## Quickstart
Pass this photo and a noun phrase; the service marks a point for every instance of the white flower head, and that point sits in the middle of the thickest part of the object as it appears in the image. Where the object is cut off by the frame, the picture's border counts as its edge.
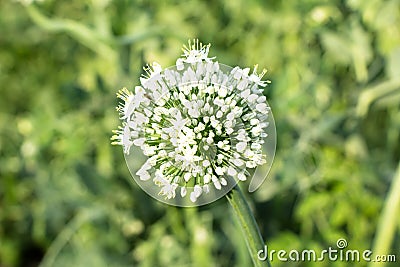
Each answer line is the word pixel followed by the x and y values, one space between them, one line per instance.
pixel 201 124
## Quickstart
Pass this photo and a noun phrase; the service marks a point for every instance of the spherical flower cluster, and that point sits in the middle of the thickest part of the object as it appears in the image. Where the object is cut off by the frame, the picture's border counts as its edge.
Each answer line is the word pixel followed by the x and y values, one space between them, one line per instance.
pixel 201 124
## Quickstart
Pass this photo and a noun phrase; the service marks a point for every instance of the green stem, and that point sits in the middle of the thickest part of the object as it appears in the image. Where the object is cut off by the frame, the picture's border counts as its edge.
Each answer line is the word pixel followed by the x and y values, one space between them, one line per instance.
pixel 66 234
pixel 80 32
pixel 388 220
pixel 248 224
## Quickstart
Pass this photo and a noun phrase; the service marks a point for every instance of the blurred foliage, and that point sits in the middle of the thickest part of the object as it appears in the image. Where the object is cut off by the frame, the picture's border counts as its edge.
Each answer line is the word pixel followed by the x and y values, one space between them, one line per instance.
pixel 66 197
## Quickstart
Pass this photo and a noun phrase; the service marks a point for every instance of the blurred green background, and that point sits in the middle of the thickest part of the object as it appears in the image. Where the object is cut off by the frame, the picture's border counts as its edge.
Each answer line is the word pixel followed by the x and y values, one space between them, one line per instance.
pixel 66 196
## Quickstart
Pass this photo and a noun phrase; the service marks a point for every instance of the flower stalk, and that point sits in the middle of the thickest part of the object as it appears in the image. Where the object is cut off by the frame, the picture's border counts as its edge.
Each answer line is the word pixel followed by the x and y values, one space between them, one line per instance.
pixel 248 224
pixel 387 223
